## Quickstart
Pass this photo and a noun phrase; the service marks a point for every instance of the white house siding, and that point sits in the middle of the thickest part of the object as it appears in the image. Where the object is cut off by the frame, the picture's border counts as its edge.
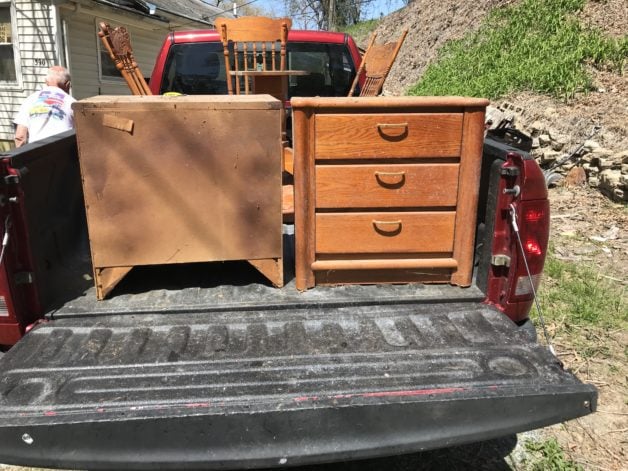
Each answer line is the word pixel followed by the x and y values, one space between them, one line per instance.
pixel 83 48
pixel 36 43
pixel 38 49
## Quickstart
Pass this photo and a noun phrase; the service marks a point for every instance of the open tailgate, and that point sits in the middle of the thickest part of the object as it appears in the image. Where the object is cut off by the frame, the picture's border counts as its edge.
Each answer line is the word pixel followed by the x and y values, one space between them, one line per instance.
pixel 274 387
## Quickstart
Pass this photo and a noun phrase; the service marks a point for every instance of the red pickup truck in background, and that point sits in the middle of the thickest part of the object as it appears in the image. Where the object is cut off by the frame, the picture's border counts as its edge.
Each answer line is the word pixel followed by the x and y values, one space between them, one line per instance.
pixel 192 63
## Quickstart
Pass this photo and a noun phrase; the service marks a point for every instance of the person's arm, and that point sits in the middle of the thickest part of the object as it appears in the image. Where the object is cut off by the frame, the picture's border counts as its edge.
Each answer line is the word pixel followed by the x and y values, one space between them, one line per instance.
pixel 21 135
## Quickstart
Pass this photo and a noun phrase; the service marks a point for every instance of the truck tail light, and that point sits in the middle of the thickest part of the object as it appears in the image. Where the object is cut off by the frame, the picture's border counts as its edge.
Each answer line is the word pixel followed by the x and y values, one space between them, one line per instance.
pixel 533 230
pixel 510 286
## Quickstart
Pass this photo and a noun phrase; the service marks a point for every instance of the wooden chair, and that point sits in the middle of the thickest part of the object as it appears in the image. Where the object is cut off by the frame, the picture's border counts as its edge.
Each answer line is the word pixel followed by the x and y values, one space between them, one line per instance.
pixel 117 43
pixel 376 63
pixel 252 43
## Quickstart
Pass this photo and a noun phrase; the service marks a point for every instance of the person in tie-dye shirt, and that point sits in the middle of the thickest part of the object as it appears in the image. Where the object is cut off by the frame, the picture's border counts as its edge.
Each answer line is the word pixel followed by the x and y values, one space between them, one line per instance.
pixel 48 111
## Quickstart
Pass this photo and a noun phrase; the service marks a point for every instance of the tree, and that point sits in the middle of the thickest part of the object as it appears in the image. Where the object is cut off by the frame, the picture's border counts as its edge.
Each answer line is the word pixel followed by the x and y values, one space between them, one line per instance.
pixel 325 14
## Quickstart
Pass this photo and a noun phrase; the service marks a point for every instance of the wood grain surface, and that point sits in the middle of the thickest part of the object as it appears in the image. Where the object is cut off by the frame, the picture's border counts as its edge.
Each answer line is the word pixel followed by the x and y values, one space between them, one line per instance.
pixel 192 182
pixel 388 135
pixel 470 166
pixel 381 232
pixel 386 185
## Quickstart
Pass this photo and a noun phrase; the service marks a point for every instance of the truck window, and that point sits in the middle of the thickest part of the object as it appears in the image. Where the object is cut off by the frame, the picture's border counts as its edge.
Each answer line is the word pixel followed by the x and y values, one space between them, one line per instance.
pixel 195 69
pixel 330 66
pixel 199 69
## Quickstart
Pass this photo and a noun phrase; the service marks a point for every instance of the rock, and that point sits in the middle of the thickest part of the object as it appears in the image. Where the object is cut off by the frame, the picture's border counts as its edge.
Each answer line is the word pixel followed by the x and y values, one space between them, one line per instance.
pixel 610 178
pixel 612 233
pixel 537 154
pixel 621 157
pixel 594 182
pixel 604 164
pixel 493 117
pixel 576 177
pixel 535 143
pixel 587 158
pixel 589 145
pixel 557 136
pixel 601 152
pixel 620 194
pixel 544 140
pixel 557 145
pixel 536 128
pixel 550 156
pixel 591 170
pixel 624 168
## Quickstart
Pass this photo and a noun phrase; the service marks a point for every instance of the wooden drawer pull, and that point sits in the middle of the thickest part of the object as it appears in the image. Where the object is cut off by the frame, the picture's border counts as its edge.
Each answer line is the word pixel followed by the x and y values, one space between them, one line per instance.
pixel 390 179
pixel 393 131
pixel 387 228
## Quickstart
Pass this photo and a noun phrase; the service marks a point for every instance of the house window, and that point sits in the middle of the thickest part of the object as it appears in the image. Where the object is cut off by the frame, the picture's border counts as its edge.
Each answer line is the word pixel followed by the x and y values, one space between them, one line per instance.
pixel 108 69
pixel 7 54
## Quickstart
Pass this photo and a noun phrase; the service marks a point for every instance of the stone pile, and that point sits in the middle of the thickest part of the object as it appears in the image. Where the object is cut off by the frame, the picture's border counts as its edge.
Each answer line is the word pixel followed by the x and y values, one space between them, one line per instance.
pixel 605 169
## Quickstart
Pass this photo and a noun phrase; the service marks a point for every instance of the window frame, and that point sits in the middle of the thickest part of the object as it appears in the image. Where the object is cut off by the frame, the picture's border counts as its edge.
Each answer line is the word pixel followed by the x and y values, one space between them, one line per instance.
pixel 17 83
pixel 100 48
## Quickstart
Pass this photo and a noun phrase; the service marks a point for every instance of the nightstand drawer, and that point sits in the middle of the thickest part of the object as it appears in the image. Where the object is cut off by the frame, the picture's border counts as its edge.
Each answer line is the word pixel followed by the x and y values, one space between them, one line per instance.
pixel 382 232
pixel 386 185
pixel 367 136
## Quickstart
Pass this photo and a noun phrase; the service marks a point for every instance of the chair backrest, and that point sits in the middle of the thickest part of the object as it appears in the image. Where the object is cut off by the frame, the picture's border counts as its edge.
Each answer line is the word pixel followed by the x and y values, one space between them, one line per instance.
pixel 376 64
pixel 252 43
pixel 117 43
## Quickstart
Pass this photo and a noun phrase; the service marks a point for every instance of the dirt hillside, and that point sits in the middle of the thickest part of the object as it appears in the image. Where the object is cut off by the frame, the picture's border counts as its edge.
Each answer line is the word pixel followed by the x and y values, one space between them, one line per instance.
pixel 431 23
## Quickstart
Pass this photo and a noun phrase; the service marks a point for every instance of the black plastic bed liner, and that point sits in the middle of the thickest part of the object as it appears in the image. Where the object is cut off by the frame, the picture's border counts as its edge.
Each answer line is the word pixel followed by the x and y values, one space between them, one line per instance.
pixel 279 387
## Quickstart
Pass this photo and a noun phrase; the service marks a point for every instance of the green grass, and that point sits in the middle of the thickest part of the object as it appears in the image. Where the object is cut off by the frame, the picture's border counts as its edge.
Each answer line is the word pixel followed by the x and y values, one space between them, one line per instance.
pixel 549 456
pixel 536 45
pixel 576 294
pixel 361 31
pixel 583 307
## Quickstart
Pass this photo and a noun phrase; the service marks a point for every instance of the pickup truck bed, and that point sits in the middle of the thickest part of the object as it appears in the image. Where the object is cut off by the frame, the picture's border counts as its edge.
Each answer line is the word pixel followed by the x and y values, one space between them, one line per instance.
pixel 221 287
pixel 197 366
pixel 191 366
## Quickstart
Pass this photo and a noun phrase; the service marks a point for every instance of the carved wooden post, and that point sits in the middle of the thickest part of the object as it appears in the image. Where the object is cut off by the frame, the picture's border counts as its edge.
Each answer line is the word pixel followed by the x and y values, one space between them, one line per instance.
pixel 117 42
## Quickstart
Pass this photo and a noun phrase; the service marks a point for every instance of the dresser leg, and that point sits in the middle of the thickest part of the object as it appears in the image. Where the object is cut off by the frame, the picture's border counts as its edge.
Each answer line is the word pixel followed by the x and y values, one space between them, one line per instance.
pixel 271 268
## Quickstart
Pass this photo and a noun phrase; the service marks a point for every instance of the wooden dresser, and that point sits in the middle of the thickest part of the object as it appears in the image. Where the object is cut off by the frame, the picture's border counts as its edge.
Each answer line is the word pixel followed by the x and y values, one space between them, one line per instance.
pixel 181 179
pixel 386 189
